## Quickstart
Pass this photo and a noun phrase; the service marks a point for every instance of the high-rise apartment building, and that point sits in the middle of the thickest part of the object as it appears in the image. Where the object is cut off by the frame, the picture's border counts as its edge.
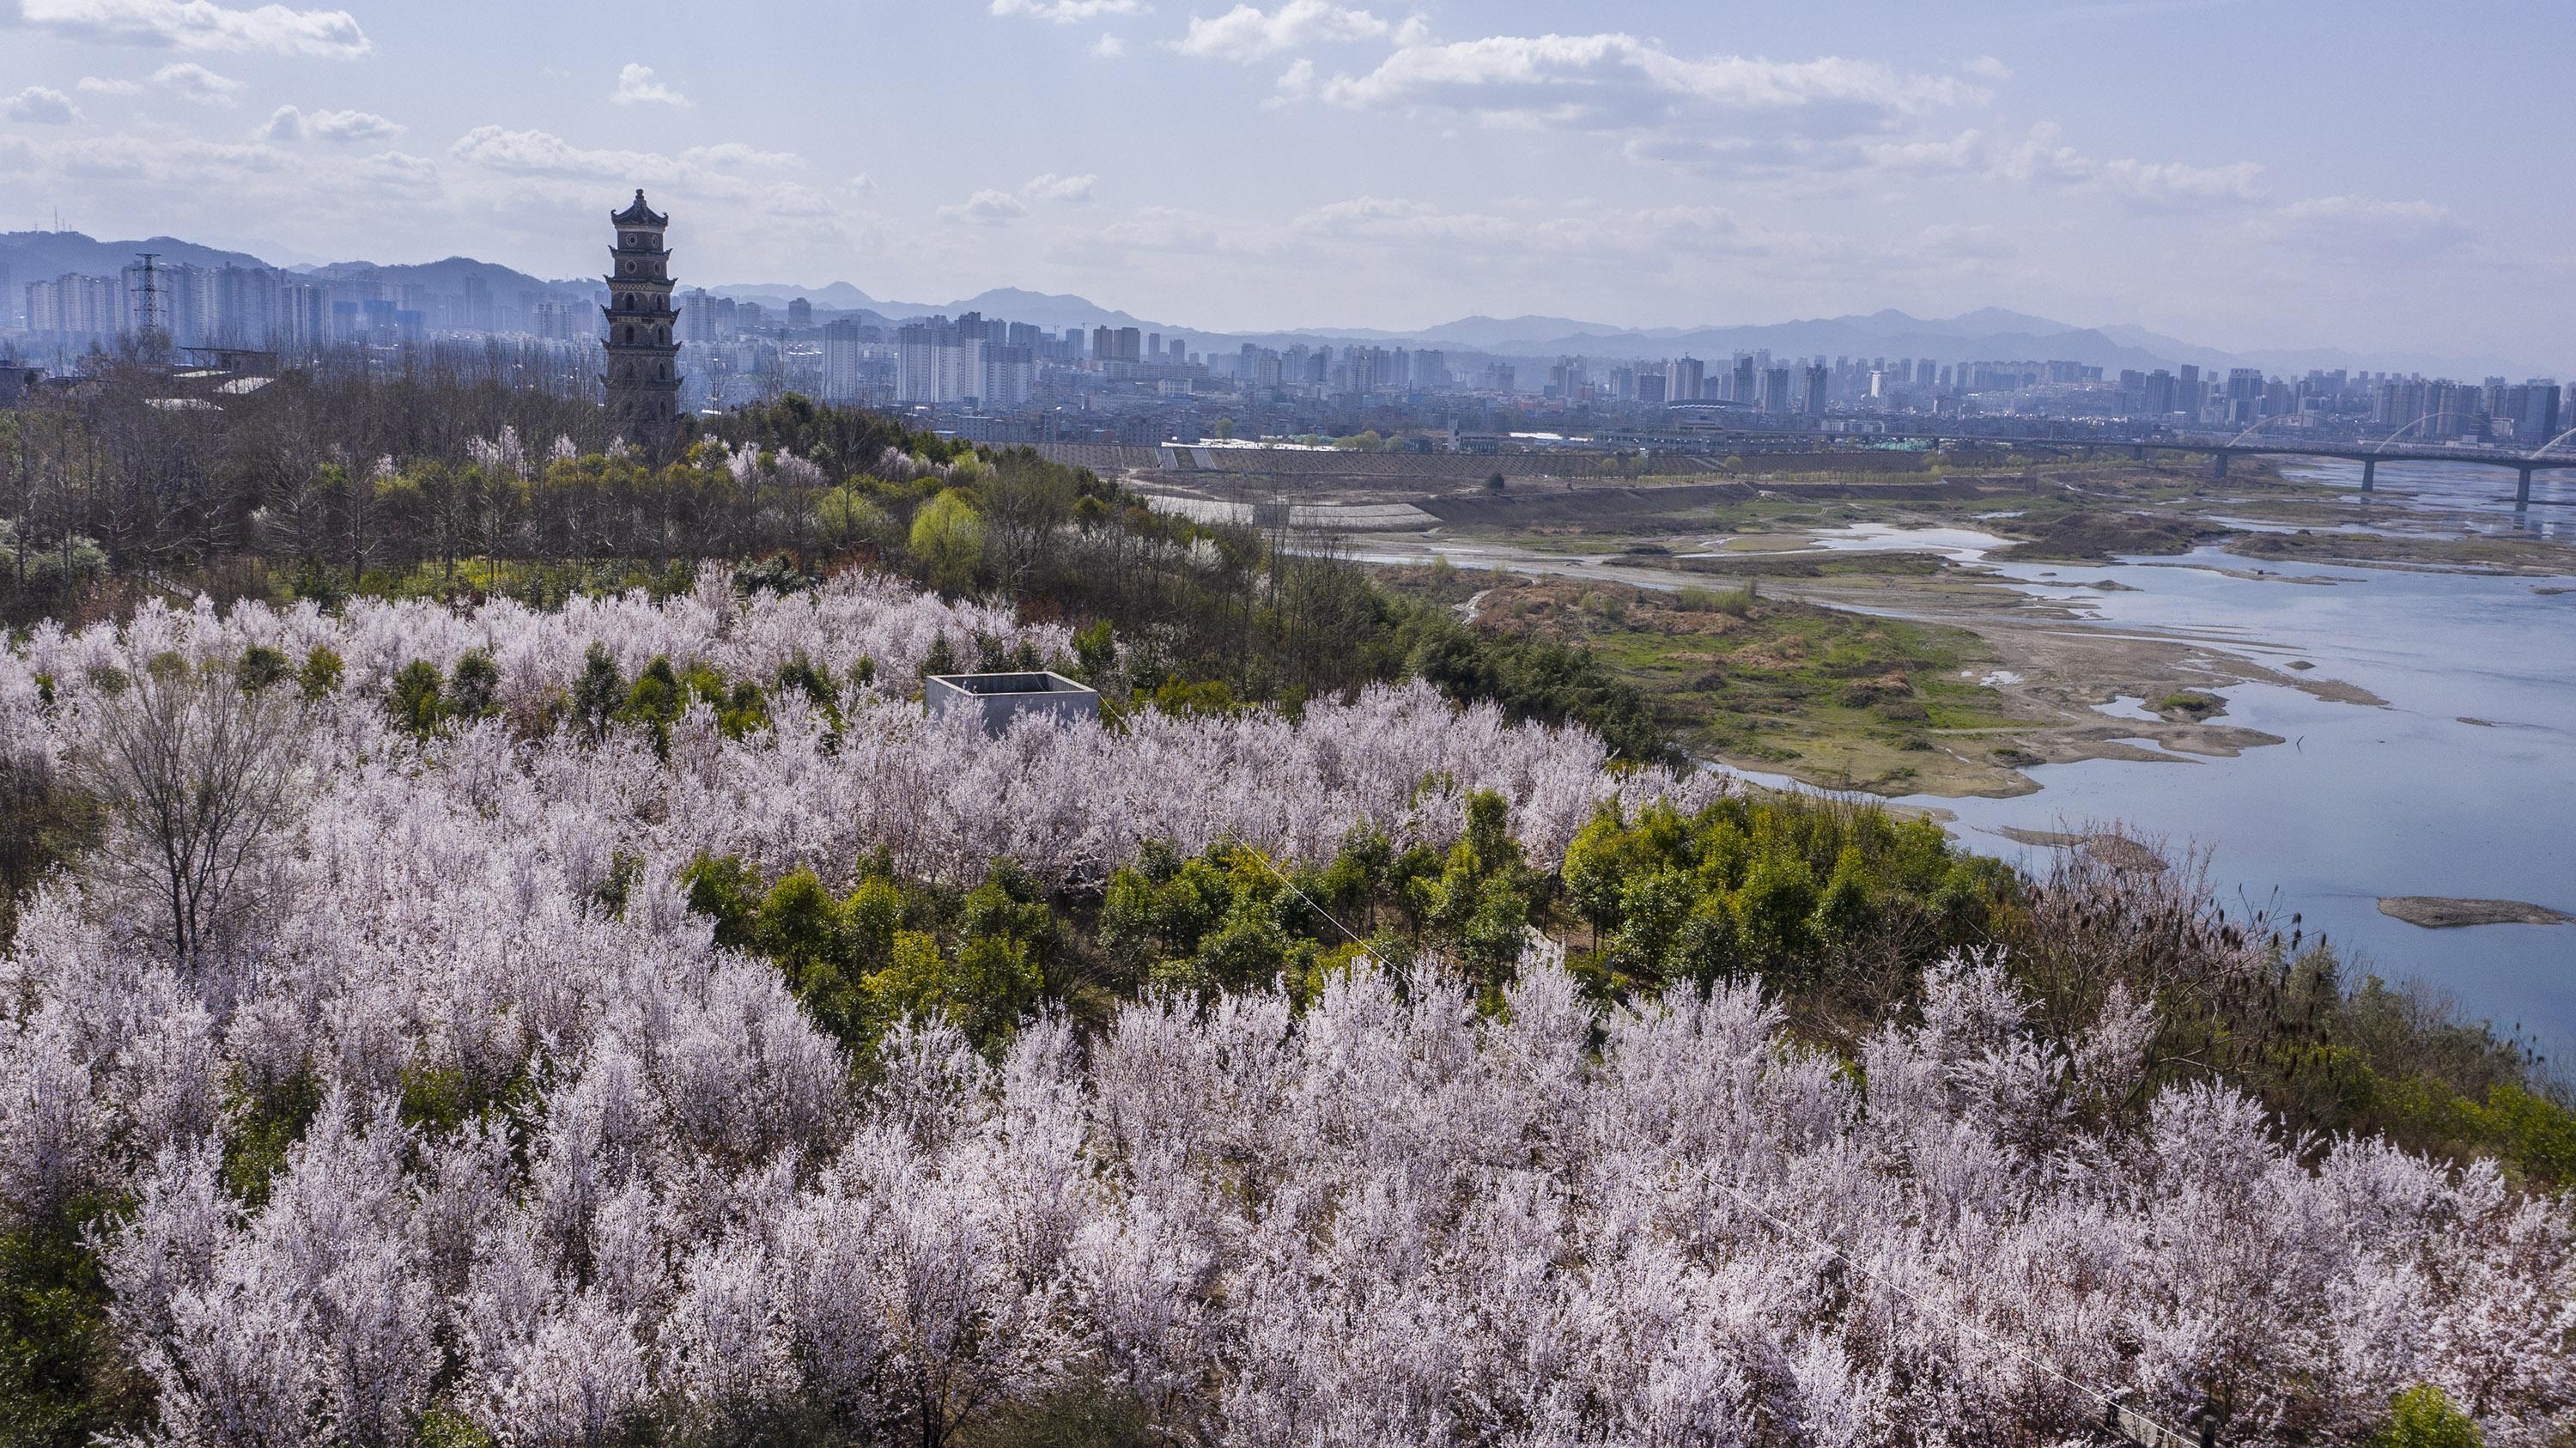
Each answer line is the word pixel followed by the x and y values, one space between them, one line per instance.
pixel 1685 379
pixel 929 362
pixel 76 307
pixel 1775 389
pixel 1817 383
pixel 1116 344
pixel 2543 413
pixel 844 350
pixel 939 362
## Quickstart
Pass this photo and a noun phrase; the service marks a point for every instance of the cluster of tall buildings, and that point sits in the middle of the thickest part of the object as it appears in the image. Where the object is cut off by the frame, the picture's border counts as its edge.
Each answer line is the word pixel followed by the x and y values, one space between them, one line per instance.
pixel 1752 381
pixel 967 362
pixel 2436 409
pixel 192 306
pixel 1356 371
pixel 2528 412
pixel 269 309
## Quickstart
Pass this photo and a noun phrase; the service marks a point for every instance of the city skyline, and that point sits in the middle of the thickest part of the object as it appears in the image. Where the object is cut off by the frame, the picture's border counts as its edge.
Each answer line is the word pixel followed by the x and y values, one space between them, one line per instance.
pixel 2239 179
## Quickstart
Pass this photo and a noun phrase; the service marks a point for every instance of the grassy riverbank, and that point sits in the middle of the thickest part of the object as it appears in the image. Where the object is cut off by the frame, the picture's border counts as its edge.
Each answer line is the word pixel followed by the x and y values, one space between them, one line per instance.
pixel 1842 698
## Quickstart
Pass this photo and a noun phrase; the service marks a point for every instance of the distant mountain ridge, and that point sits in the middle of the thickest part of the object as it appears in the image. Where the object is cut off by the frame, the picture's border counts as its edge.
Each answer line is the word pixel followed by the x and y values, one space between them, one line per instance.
pixel 33 256
pixel 1986 334
pixel 449 275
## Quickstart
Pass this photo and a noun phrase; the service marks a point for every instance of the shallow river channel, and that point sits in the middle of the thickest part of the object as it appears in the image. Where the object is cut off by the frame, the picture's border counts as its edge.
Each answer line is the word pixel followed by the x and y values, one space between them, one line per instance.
pixel 2366 802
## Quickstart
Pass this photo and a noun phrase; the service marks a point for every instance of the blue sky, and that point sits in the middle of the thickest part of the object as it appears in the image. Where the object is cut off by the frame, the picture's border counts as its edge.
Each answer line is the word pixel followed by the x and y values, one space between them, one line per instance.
pixel 2371 176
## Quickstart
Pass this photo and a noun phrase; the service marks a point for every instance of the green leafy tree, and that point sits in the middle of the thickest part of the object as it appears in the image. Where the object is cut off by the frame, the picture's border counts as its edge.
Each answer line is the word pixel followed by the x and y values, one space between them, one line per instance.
pixel 320 676
pixel 1845 912
pixel 415 702
pixel 599 691
pixel 2423 1417
pixel 1773 912
pixel 948 541
pixel 260 667
pixel 1654 907
pixel 1481 899
pixel 1095 652
pixel 474 690
pixel 726 890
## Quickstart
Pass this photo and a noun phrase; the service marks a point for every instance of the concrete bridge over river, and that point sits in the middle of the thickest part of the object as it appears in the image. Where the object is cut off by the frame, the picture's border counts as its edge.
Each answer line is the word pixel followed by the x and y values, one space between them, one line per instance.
pixel 2221 450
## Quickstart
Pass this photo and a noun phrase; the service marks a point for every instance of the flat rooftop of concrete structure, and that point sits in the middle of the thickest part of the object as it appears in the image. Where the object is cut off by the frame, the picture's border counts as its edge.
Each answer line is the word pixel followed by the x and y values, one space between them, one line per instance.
pixel 989 685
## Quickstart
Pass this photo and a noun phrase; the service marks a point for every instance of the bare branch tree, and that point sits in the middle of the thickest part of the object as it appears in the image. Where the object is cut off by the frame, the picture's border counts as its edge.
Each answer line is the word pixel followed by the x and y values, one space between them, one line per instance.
pixel 195 774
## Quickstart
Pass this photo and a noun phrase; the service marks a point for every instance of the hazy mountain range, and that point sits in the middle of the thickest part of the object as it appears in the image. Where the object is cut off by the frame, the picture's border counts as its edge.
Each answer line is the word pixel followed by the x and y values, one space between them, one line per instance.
pixel 1987 334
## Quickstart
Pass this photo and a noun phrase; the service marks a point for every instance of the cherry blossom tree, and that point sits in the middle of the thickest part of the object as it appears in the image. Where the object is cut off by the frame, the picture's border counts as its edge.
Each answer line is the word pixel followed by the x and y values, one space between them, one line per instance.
pixel 479 1117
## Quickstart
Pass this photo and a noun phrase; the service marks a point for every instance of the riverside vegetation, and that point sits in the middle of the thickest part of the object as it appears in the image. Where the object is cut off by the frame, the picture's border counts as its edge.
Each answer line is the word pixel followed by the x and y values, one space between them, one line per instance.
pixel 1730 672
pixel 547 1010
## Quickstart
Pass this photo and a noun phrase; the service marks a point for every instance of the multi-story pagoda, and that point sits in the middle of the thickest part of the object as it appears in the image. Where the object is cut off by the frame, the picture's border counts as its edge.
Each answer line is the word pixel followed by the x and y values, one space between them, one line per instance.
pixel 643 376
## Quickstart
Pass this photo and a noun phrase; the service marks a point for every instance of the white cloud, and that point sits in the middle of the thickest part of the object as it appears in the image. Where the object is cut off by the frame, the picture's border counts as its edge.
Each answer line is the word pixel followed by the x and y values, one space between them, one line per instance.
pixel 1067 12
pixel 539 153
pixel 1652 231
pixel 1051 187
pixel 162 161
pixel 1986 67
pixel 1718 114
pixel 396 171
pixel 1966 151
pixel 713 171
pixel 2164 186
pixel 201 25
pixel 986 208
pixel 1247 33
pixel 2040 159
pixel 1109 47
pixel 637 85
pixel 190 81
pixel 1295 83
pixel 288 123
pixel 2365 227
pixel 98 86
pixel 40 106
pixel 1614 81
pixel 2172 184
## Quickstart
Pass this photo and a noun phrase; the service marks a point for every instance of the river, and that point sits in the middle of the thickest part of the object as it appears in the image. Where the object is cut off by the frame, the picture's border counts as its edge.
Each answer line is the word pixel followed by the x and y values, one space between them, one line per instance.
pixel 2463 786
pixel 2367 802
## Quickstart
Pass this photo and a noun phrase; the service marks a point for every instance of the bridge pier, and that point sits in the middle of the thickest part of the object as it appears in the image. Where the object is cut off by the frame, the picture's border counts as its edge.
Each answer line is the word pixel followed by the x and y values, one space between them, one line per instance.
pixel 2137 454
pixel 2369 474
pixel 2522 488
pixel 2218 463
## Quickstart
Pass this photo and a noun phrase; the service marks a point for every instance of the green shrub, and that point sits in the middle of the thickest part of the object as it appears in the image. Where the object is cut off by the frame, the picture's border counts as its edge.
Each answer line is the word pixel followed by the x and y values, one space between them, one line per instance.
pixel 2422 1417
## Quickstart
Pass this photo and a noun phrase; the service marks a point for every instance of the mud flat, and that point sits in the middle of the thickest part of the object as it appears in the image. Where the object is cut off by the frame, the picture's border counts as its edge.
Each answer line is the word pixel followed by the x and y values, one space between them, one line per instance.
pixel 2121 853
pixel 2439 912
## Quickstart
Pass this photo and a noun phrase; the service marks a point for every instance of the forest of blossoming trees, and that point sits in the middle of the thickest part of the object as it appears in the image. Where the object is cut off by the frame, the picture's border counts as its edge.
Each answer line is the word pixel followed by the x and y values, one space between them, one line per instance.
pixel 367 1077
